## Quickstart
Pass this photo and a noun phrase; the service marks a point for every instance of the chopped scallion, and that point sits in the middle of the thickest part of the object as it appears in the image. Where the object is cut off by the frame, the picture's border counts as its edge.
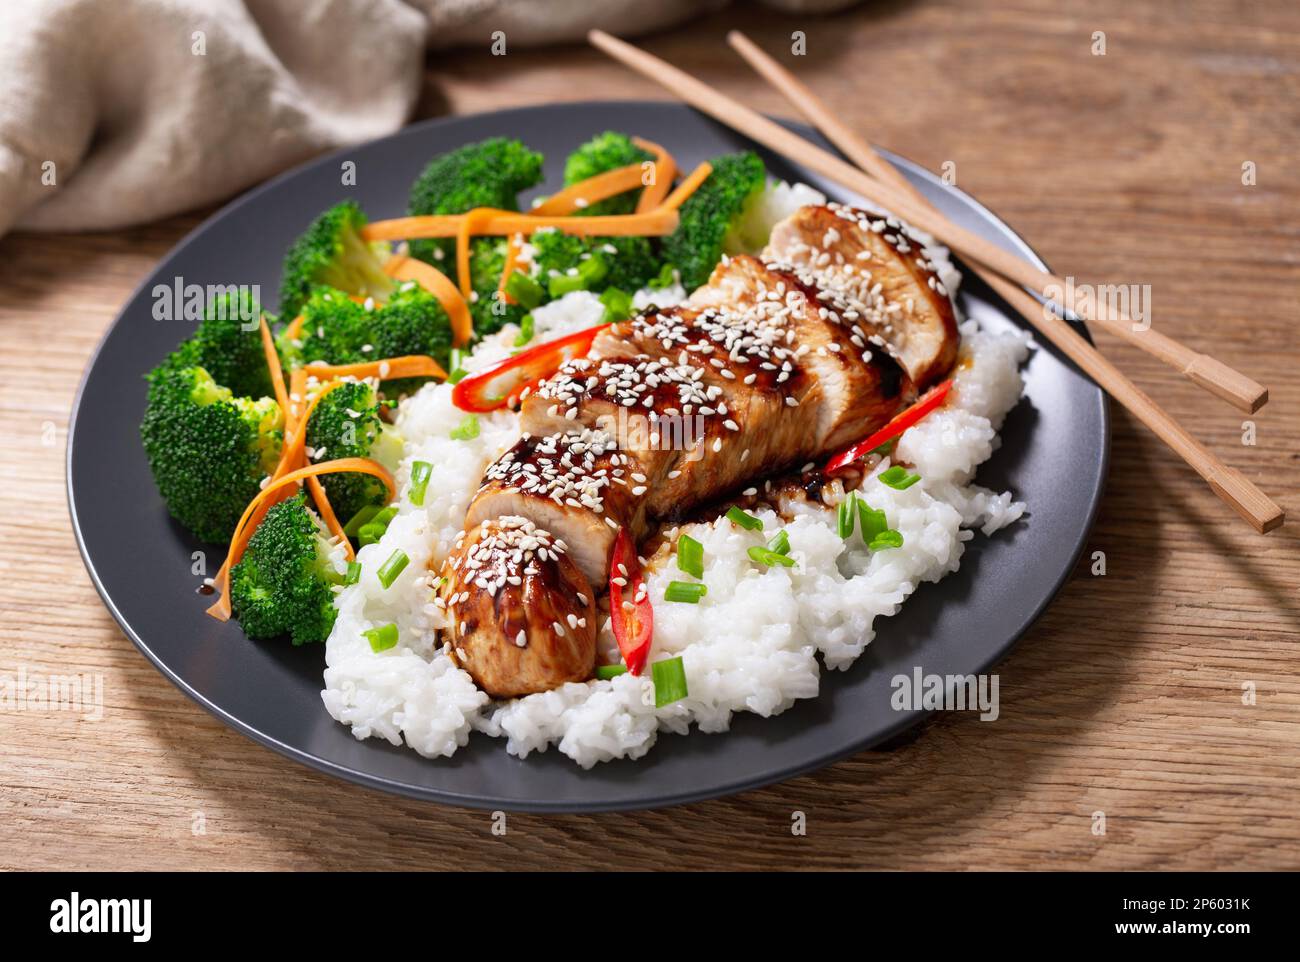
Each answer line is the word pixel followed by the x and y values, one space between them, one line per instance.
pixel 374 529
pixel 467 430
pixel 872 520
pixel 354 573
pixel 744 519
pixel 768 557
pixel 382 638
pixel 527 327
pixel 421 471
pixel 394 566
pixel 886 539
pixel 667 278
pixel 561 284
pixel 610 671
pixel 898 478
pixel 670 681
pixel 457 365
pixel 592 270
pixel 524 290
pixel 845 515
pixel 690 556
pixel 618 304
pixel 780 544
pixel 686 591
pixel 363 516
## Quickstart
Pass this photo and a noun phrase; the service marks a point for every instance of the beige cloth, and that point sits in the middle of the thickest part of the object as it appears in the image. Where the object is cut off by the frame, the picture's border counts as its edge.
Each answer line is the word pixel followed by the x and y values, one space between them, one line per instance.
pixel 117 112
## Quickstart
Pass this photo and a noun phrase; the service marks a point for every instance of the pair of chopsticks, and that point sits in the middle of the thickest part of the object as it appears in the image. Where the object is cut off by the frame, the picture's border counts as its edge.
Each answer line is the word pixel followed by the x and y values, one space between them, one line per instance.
pixel 1008 275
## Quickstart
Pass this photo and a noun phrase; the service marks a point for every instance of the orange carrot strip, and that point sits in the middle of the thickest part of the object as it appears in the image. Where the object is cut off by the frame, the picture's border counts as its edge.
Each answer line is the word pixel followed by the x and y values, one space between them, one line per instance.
pixel 409 365
pixel 326 511
pixel 295 327
pixel 405 228
pixel 687 187
pixel 469 226
pixel 653 223
pixel 221 608
pixel 403 268
pixel 665 169
pixel 513 246
pixel 609 184
pixel 273 365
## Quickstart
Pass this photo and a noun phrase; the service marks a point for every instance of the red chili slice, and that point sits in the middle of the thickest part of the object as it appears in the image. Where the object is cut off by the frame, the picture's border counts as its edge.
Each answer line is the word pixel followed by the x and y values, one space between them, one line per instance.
pixel 501 384
pixel 928 401
pixel 634 626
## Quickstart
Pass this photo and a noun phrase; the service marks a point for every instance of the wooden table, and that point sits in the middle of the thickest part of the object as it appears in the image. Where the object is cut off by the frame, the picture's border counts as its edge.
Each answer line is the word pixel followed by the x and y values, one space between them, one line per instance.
pixel 1126 698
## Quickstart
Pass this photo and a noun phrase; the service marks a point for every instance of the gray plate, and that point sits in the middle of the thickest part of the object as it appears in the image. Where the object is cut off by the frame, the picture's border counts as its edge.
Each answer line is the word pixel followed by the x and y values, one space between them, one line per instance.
pixel 1054 453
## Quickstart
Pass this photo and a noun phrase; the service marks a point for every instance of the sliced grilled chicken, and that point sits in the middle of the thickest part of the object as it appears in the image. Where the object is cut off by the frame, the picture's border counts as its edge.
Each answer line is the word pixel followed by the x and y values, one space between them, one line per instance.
pixel 522 615
pixel 871 267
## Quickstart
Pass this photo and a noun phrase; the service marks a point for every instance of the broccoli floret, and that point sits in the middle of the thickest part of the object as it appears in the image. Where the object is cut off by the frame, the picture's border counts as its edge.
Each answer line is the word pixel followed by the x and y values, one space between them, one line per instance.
pixel 487 259
pixel 331 253
pixel 603 152
pixel 211 431
pixel 625 262
pixel 282 585
pixel 490 173
pixel 338 330
pixel 346 424
pixel 711 213
pixel 208 450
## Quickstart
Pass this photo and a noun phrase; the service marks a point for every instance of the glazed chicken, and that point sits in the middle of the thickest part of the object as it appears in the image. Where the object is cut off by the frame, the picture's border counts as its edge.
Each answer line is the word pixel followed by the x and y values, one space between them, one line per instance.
pixel 771 364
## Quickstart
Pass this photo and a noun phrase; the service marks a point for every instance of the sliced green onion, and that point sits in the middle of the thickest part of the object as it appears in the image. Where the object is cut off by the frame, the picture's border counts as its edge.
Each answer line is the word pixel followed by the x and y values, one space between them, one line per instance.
pixel 524 290
pixel 561 284
pixel 687 591
pixel 884 448
pixel 382 638
pixel 527 327
pixel 766 556
pixel 886 539
pixel 467 430
pixel 421 471
pixel 610 671
pixel 354 573
pixel 457 365
pixel 670 681
pixel 780 544
pixel 363 516
pixel 690 556
pixel 618 304
pixel 845 515
pixel 744 519
pixel 667 278
pixel 394 566
pixel 373 530
pixel 898 478
pixel 873 522
pixel 592 270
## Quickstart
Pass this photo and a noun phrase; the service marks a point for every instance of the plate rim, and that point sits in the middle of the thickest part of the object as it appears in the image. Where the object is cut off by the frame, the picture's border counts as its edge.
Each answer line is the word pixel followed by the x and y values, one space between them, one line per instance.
pixel 440 796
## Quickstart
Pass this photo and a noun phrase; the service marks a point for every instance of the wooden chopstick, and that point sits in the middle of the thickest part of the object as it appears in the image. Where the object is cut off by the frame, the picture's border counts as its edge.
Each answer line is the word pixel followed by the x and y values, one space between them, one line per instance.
pixel 1228 483
pixel 1211 374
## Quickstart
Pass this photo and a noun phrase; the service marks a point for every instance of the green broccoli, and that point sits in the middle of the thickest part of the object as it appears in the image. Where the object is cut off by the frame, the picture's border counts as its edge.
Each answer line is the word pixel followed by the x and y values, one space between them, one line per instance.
pixel 331 253
pixel 338 330
pixel 623 262
pixel 283 585
pixel 607 151
pixel 490 173
pixel 346 424
pixel 487 259
pixel 210 441
pixel 711 214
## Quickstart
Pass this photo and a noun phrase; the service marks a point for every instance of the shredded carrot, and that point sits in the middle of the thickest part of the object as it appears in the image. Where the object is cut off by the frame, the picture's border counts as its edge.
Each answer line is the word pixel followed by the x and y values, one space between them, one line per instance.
pixel 403 268
pixel 469 226
pixel 662 220
pixel 273 366
pixel 665 169
pixel 327 514
pixel 600 187
pixel 295 327
pixel 513 248
pixel 409 365
pixel 244 531
pixel 687 187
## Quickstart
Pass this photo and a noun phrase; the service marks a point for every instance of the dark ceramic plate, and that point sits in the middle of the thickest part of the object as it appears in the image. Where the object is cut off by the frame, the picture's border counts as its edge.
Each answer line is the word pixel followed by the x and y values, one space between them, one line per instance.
pixel 1053 456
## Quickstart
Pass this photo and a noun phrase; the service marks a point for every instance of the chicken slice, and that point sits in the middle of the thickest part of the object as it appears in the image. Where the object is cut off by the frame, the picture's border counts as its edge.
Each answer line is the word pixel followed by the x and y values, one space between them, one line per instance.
pixel 877 275
pixel 522 616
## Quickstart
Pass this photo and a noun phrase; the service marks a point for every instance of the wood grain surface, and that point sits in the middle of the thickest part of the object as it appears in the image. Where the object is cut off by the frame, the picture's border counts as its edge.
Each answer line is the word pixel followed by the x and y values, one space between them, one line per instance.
pixel 1126 698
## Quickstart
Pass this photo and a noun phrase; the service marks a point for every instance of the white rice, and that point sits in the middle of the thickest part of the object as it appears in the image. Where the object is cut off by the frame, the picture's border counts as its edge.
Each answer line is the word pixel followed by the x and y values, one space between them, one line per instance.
pixel 758 639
